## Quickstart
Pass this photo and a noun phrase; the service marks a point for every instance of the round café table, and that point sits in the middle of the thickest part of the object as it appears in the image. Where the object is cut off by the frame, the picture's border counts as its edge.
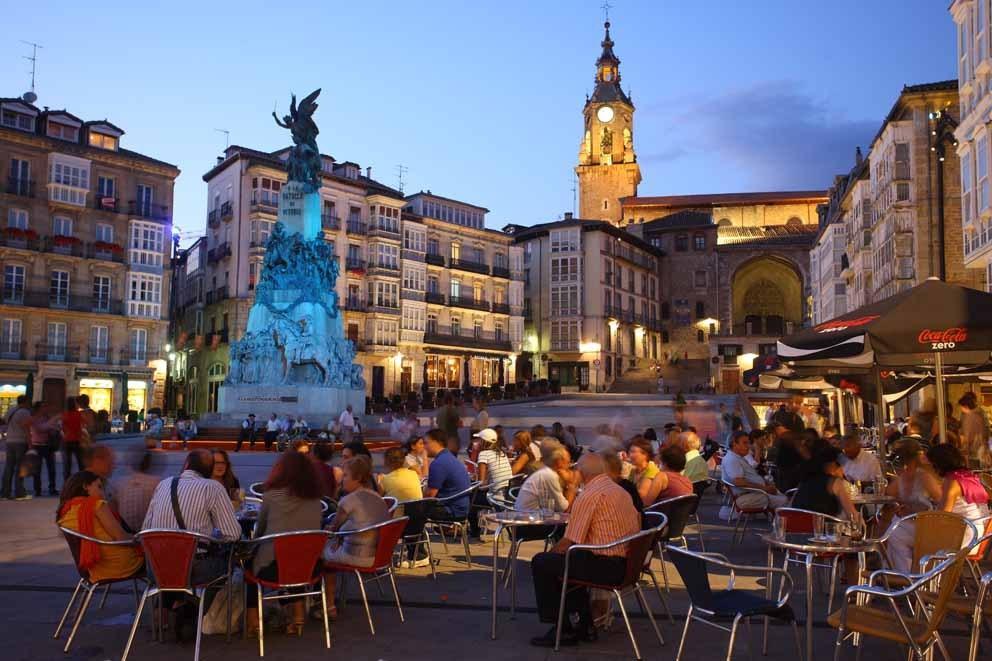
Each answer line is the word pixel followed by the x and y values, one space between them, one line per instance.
pixel 809 546
pixel 510 520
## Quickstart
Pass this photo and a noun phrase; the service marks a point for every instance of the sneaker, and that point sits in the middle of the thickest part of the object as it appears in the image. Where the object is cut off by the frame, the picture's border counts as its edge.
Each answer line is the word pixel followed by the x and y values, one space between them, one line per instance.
pixel 423 562
pixel 25 496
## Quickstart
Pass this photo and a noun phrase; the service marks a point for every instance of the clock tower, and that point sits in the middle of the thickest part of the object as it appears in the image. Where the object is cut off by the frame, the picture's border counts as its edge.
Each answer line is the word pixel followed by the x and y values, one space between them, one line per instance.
pixel 607 168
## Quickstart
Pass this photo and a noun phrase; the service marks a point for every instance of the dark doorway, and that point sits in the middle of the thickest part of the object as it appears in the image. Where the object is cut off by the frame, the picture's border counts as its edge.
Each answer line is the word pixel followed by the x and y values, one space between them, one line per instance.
pixel 53 392
pixel 378 382
pixel 406 380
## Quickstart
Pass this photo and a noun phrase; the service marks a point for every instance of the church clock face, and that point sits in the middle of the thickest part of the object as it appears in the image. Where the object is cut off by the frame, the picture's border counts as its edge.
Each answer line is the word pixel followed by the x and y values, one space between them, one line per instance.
pixel 605 114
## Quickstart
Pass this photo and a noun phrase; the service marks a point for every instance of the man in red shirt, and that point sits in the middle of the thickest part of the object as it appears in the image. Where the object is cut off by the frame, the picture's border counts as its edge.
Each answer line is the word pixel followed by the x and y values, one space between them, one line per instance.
pixel 601 514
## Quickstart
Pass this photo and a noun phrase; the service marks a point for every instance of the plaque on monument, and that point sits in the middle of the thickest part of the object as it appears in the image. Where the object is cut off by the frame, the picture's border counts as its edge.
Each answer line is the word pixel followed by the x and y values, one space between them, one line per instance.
pixel 294 357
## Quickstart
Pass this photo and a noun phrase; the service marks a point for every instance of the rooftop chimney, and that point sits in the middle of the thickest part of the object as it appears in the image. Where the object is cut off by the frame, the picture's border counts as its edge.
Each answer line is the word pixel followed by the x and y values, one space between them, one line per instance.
pixel 568 215
pixel 858 158
pixel 368 172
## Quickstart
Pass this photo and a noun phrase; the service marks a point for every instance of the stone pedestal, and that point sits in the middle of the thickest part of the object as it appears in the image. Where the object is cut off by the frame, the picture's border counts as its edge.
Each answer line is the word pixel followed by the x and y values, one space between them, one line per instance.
pixel 316 404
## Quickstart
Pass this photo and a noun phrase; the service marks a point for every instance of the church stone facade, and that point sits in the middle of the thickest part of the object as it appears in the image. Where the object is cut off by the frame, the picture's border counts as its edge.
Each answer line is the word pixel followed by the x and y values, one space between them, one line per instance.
pixel 735 273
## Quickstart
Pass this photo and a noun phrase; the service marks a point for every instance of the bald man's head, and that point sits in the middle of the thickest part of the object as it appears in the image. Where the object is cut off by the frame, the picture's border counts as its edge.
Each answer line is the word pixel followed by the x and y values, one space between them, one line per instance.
pixel 201 461
pixel 689 440
pixel 591 465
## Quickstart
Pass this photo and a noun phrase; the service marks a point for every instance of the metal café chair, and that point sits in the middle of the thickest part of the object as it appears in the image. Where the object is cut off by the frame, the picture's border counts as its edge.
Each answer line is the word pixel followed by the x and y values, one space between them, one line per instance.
pixel 170 555
pixel 256 489
pixel 710 607
pixel 637 555
pixel 460 525
pixel 416 511
pixel 676 511
pixel 933 532
pixel 744 513
pixel 87 585
pixel 391 503
pixel 659 522
pixel 893 623
pixel 297 557
pixel 799 521
pixel 389 534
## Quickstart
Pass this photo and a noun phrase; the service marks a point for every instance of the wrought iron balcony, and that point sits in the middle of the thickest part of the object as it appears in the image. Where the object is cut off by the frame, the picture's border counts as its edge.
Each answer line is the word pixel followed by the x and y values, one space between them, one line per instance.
pixel 354 304
pixel 12 350
pixel 468 302
pixel 434 297
pixel 147 210
pixel 501 308
pixel 329 221
pixel 56 353
pixel 219 252
pixel 466 338
pixel 354 264
pixel 468 265
pixel 226 211
pixel 357 227
pixel 434 258
pixel 501 272
pixel 61 300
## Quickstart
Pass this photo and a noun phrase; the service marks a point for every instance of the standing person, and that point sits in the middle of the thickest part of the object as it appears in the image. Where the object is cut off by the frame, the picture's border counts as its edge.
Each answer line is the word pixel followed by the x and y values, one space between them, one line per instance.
pixel 601 514
pixel 89 420
pixel 42 430
pixel 789 417
pixel 271 432
pixel 661 384
pixel 974 430
pixel 726 425
pixel 72 434
pixel 346 421
pixel 18 425
pixel 448 420
pixel 481 419
pixel 247 433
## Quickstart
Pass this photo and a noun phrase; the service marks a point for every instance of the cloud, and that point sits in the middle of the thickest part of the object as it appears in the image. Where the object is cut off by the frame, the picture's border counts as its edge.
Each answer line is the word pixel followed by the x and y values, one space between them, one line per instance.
pixel 774 134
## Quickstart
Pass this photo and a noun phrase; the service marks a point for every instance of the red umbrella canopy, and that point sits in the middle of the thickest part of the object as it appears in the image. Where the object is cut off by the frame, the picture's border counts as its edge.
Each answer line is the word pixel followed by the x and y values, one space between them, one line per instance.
pixel 903 330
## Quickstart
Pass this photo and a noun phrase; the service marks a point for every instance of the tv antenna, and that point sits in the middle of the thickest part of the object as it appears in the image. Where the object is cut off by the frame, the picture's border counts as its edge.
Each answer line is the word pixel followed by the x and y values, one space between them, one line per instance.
pixel 575 191
pixel 400 171
pixel 30 96
pixel 227 137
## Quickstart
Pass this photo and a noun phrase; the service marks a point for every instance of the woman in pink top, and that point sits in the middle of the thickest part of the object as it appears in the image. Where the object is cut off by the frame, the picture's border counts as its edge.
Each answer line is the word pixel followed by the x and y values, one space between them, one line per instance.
pixel 670 482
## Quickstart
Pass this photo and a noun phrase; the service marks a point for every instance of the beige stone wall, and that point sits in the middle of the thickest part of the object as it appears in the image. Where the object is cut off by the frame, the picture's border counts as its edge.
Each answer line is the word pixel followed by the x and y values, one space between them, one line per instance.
pixel 602 186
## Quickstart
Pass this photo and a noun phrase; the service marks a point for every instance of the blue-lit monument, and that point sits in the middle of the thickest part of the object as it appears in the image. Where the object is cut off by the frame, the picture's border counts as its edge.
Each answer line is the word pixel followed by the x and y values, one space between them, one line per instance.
pixel 294 357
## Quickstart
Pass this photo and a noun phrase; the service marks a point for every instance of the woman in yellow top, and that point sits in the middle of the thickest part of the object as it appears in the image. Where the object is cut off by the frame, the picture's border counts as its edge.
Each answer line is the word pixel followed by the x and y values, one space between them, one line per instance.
pixel 639 452
pixel 82 509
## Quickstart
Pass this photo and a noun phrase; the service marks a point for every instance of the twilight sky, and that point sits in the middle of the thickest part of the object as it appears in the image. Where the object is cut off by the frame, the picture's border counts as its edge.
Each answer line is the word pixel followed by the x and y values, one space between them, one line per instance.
pixel 482 101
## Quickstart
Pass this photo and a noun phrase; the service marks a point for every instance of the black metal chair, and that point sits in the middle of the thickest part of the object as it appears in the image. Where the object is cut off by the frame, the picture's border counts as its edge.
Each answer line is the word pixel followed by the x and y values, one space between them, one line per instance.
pixel 710 607
pixel 677 511
pixel 416 535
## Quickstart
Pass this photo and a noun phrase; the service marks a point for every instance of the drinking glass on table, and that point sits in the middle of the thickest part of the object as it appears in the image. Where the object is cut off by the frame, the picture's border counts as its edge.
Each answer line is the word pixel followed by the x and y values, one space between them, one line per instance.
pixel 817 527
pixel 780 527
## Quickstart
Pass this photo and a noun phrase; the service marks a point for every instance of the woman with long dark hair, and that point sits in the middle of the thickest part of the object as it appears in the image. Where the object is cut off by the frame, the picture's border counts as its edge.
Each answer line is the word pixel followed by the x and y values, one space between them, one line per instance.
pixel 224 473
pixel 291 502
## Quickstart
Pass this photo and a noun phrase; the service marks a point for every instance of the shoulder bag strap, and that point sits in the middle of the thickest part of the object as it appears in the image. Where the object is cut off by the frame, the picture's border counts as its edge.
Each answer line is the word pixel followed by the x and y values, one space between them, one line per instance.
pixel 174 489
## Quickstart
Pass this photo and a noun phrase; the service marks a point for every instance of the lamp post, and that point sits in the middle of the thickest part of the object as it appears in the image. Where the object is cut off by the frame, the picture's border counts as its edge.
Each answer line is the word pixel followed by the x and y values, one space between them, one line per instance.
pixel 941 133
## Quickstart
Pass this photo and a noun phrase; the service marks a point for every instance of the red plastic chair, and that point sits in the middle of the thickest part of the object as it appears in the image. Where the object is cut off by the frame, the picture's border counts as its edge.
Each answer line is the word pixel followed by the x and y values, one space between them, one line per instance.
pixel 169 555
pixel 86 584
pixel 382 566
pixel 297 556
pixel 744 513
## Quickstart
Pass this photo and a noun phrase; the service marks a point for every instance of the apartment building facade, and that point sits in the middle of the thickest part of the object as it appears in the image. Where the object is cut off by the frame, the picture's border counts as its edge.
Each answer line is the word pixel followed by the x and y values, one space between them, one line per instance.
pixel 85 252
pixel 972 137
pixel 426 292
pixel 591 300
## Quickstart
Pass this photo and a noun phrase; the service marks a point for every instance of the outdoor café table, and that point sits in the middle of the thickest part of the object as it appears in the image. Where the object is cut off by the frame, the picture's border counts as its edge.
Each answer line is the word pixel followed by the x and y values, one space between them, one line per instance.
pixel 509 520
pixel 810 546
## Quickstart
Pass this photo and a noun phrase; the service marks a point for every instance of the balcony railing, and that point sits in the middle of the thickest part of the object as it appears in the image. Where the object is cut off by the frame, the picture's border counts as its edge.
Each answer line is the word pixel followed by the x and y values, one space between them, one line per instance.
pixel 10 350
pixel 98 354
pixel 58 300
pixel 354 304
pixel 357 227
pixel 219 252
pixel 501 308
pixel 434 258
pixel 434 297
pixel 467 338
pixel 226 211
pixel 468 302
pixel 264 204
pixel 110 252
pixel 354 264
pixel 218 336
pixel 105 203
pixel 63 245
pixel 147 210
pixel 213 218
pixel 24 242
pixel 21 187
pixel 468 265
pixel 218 295
pixel 56 352
pixel 132 356
pixel 501 272
pixel 329 221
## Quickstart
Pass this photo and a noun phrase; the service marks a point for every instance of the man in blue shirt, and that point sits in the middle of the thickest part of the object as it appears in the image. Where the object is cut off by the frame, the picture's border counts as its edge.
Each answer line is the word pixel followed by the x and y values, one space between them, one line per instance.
pixel 446 477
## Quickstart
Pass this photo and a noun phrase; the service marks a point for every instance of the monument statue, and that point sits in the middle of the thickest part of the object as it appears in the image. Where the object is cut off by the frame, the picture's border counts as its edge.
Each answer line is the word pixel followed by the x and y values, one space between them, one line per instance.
pixel 294 352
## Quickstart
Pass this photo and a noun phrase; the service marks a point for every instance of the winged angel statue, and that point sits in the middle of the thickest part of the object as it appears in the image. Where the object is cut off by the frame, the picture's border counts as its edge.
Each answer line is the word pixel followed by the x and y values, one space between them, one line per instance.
pixel 304 160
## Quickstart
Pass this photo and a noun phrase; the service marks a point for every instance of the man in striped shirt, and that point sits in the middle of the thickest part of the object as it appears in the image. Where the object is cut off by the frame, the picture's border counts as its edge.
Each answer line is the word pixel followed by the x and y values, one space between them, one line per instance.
pixel 601 514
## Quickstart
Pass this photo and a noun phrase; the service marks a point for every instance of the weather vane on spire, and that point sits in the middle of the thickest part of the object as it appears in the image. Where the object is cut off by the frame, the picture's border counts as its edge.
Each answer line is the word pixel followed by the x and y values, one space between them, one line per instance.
pixel 606 7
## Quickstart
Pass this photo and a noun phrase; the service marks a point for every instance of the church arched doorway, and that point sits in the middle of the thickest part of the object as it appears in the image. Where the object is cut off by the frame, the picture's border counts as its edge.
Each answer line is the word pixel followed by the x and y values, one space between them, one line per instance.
pixel 767 297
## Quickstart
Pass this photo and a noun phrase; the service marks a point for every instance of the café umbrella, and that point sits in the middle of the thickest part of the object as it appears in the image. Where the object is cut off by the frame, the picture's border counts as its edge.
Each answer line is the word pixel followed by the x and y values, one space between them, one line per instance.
pixel 933 325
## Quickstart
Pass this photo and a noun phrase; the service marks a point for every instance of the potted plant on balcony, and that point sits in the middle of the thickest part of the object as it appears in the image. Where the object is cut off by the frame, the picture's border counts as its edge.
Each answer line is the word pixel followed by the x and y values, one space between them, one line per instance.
pixel 20 234
pixel 107 247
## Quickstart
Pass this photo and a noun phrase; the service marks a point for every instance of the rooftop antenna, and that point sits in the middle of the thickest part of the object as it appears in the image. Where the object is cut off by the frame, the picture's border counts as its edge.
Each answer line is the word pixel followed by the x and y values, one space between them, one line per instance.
pixel 575 180
pixel 227 137
pixel 30 96
pixel 400 171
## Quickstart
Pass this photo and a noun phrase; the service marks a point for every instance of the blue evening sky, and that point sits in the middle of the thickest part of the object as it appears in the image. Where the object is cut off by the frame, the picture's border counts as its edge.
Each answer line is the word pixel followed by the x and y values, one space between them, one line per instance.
pixel 482 101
